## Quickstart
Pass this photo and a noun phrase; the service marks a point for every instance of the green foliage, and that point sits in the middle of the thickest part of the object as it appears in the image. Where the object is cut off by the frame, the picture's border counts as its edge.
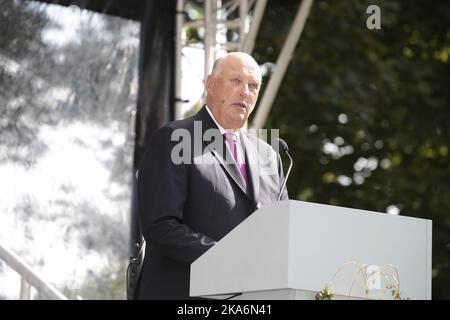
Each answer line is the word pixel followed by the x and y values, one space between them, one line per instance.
pixel 90 78
pixel 366 113
pixel 21 26
pixel 325 293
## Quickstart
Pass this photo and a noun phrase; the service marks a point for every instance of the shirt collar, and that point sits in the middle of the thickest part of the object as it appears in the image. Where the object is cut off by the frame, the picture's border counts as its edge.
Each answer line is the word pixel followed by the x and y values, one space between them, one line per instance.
pixel 221 129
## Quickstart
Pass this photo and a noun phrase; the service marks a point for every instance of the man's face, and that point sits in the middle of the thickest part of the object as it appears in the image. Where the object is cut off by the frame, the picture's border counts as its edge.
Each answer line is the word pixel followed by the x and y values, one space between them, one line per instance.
pixel 233 90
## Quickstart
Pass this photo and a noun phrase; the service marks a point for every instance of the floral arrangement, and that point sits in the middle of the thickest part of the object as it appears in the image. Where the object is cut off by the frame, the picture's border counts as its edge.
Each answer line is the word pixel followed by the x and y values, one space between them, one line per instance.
pixel 391 281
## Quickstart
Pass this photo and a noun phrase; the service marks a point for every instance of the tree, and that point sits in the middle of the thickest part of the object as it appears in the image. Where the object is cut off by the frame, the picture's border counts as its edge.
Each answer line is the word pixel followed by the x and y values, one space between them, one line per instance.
pixel 88 80
pixel 366 111
pixel 21 27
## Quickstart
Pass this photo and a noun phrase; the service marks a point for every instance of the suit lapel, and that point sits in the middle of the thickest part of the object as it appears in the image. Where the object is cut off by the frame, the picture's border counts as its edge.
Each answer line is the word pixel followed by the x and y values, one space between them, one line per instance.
pixel 231 168
pixel 222 154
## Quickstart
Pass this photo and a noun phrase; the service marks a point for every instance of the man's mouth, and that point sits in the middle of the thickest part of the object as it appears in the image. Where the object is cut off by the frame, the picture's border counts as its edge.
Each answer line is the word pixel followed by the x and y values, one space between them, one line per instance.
pixel 240 104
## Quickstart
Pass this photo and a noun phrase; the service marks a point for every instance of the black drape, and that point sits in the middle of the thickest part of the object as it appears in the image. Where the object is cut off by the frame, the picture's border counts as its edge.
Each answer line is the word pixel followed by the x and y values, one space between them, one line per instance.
pixel 155 101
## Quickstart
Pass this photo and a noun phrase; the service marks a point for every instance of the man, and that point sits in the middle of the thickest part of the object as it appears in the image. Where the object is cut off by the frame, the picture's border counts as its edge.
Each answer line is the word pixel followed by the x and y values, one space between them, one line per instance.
pixel 191 197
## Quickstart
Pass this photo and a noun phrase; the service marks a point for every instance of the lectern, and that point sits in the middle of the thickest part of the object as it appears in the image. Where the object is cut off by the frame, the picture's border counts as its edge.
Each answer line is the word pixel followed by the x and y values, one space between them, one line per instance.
pixel 292 249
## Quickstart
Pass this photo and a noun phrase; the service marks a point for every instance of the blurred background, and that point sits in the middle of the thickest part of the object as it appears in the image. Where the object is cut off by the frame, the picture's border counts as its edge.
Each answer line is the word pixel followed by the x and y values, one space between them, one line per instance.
pixel 83 84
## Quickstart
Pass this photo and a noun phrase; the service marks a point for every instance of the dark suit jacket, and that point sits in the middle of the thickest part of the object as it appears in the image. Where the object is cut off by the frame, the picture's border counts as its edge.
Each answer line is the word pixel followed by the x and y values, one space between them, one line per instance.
pixel 185 208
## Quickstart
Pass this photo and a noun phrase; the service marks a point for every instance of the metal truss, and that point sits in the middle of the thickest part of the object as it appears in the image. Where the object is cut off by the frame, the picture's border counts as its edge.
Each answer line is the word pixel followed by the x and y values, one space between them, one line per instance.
pixel 223 25
pixel 232 25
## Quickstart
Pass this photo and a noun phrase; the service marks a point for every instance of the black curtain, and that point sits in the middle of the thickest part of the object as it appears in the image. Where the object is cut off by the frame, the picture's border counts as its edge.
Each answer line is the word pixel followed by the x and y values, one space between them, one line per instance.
pixel 155 101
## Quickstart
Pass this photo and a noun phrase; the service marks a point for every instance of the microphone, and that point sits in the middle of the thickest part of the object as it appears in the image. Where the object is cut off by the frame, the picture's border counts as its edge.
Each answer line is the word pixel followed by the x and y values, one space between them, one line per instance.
pixel 281 147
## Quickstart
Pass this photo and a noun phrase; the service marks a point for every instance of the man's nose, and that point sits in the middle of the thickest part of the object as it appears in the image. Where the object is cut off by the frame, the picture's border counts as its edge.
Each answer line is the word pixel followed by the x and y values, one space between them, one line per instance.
pixel 244 90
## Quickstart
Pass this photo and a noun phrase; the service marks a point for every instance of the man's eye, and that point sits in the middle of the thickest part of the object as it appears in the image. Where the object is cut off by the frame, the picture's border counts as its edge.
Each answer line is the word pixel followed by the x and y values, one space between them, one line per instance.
pixel 253 86
pixel 236 81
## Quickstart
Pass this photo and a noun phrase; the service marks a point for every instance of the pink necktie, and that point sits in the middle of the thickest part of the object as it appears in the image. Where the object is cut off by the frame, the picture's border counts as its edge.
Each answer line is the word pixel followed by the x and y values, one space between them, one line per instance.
pixel 231 138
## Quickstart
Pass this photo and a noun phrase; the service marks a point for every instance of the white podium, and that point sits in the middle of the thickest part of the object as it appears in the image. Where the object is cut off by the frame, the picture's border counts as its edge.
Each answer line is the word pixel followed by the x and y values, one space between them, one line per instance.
pixel 291 249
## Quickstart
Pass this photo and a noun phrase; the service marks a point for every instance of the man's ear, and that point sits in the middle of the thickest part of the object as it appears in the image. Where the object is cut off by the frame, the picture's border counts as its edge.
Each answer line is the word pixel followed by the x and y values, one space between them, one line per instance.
pixel 209 83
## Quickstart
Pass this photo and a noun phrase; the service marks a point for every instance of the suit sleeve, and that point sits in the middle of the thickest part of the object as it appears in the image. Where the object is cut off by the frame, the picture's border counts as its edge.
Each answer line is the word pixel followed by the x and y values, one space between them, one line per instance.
pixel 162 194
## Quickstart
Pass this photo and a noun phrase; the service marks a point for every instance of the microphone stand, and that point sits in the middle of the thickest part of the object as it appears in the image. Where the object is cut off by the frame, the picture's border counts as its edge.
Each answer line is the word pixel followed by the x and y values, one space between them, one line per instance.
pixel 285 178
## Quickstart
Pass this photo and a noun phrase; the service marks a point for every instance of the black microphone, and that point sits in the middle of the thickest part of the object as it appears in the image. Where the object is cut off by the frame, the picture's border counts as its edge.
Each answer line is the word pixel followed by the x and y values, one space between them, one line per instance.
pixel 281 147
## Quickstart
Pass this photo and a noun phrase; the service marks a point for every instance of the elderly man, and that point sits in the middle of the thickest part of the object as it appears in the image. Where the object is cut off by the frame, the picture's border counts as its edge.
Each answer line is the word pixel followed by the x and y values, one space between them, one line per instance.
pixel 190 198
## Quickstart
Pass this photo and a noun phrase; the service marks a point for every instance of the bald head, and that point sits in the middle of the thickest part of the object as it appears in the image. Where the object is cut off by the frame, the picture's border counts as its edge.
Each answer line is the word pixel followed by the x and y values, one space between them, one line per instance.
pixel 234 56
pixel 233 88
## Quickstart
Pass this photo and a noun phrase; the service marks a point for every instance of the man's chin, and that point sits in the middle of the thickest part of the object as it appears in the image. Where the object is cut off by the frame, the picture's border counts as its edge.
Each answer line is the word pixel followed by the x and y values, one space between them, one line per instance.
pixel 241 113
pixel 240 121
